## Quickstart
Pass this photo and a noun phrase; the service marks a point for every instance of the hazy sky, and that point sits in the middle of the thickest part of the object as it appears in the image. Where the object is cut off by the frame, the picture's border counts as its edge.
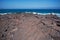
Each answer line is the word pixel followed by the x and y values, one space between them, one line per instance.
pixel 29 4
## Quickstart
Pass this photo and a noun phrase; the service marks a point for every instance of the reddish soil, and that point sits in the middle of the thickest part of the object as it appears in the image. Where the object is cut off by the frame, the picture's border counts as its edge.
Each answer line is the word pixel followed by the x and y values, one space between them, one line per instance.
pixel 29 27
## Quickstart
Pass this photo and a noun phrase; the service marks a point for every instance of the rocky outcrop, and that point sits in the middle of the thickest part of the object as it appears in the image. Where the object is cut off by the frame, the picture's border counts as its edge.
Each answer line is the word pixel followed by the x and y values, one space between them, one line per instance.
pixel 29 27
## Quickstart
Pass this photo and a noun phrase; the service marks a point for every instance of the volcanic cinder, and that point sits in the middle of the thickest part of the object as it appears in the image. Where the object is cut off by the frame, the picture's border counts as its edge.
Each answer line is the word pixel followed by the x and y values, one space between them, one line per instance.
pixel 29 27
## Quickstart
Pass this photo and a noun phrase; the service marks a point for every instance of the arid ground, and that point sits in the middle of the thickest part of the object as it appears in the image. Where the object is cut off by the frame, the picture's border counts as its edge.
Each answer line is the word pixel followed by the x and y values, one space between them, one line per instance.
pixel 29 27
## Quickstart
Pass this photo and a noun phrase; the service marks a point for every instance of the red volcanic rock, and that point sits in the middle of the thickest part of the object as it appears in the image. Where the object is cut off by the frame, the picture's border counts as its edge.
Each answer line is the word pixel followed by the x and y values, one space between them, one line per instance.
pixel 29 27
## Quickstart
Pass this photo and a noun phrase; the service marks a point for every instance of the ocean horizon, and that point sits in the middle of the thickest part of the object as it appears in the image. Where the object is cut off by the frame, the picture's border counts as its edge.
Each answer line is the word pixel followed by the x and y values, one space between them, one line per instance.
pixel 34 11
pixel 31 10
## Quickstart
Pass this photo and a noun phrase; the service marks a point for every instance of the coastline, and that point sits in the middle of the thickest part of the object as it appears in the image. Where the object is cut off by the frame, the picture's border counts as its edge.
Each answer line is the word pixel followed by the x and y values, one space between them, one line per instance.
pixel 58 14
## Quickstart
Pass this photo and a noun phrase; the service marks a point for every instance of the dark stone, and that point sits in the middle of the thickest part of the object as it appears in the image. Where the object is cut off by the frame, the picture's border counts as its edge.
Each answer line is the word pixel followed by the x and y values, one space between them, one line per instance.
pixel 58 25
pixel 43 23
pixel 3 35
pixel 57 21
pixel 6 30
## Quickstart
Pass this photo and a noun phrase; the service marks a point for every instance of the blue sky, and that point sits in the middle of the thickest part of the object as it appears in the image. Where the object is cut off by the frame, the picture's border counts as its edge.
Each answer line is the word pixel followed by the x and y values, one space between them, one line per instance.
pixel 29 4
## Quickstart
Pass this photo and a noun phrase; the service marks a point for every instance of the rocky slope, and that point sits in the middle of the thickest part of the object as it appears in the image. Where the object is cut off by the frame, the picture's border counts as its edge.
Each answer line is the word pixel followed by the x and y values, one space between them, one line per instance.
pixel 29 27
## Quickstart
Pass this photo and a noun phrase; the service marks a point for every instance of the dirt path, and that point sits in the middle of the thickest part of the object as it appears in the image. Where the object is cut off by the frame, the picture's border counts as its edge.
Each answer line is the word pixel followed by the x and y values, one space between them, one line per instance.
pixel 29 27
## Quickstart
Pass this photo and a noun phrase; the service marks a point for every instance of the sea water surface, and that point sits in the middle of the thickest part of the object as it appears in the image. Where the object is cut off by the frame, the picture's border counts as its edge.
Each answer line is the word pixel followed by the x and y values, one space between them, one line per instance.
pixel 38 11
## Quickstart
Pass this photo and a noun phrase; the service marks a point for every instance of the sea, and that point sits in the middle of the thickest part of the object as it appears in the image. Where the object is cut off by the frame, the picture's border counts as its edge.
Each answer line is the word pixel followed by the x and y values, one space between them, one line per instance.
pixel 35 11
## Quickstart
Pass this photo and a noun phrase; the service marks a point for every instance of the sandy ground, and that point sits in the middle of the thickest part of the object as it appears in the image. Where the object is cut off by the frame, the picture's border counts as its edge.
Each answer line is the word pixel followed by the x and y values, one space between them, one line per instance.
pixel 29 27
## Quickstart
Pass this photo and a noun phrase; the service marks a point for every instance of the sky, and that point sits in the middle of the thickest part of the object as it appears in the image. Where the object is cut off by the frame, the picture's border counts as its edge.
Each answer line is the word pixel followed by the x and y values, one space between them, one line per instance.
pixel 29 4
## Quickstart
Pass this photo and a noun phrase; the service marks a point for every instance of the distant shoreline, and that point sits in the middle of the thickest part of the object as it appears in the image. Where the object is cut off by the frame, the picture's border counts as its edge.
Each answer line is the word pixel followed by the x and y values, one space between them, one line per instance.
pixel 58 14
